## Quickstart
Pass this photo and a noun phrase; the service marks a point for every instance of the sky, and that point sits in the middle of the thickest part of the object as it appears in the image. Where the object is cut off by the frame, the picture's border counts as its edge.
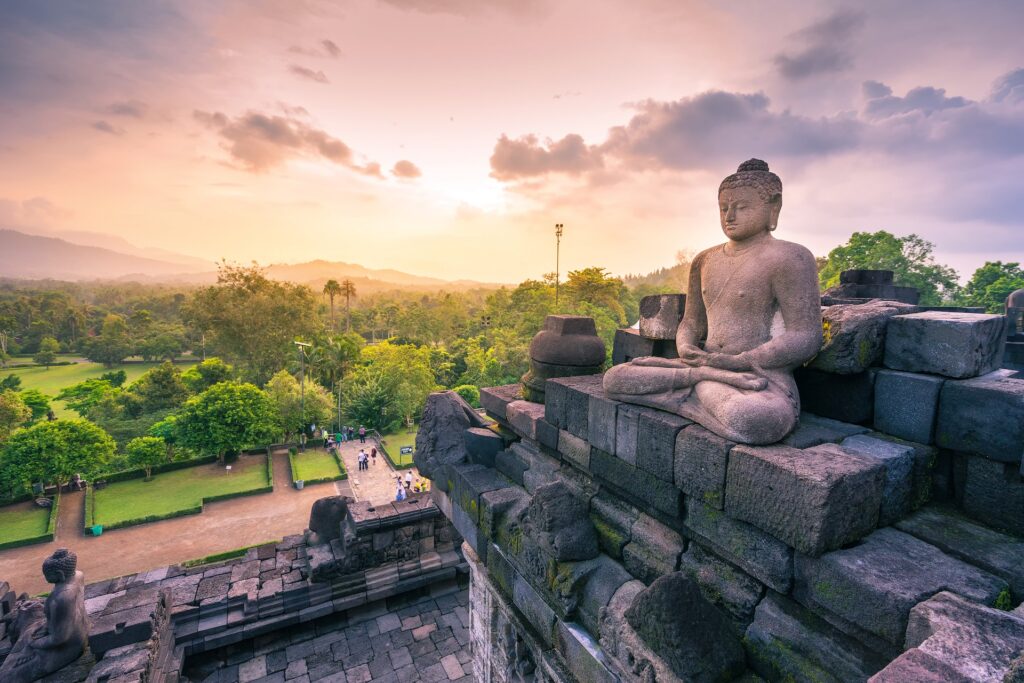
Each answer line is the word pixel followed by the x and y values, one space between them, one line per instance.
pixel 447 137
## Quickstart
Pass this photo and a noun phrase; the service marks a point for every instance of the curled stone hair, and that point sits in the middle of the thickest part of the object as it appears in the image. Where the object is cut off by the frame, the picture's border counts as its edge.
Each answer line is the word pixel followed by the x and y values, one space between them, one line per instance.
pixel 754 173
pixel 63 561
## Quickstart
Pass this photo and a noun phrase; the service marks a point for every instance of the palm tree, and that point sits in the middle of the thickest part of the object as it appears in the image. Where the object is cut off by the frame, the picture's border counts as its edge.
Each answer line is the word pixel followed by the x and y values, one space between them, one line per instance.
pixel 348 290
pixel 332 289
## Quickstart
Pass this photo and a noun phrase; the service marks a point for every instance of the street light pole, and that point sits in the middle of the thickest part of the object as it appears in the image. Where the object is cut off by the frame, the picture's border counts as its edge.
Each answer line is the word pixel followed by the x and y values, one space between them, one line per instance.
pixel 558 247
pixel 302 392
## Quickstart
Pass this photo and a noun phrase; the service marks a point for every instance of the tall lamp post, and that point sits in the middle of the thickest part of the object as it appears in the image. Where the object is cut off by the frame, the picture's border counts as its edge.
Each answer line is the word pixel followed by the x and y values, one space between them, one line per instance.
pixel 302 346
pixel 558 246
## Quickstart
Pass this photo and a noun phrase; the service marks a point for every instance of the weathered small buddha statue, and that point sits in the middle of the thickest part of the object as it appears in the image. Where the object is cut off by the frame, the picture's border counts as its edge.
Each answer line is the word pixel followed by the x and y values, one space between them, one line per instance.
pixel 752 315
pixel 55 635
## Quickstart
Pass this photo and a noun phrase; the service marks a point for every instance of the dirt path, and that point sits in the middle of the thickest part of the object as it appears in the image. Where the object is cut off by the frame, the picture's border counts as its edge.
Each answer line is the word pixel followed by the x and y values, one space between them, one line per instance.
pixel 376 484
pixel 224 525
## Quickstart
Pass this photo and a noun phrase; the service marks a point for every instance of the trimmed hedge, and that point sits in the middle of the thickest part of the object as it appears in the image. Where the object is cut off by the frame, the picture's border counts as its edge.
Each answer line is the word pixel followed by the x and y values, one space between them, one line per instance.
pixel 125 475
pixel 51 530
pixel 343 473
pixel 90 505
pixel 380 447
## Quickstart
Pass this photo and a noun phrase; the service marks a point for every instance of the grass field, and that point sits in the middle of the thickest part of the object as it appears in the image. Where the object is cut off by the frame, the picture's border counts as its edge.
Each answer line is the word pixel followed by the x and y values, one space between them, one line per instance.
pixel 178 490
pixel 51 380
pixel 315 464
pixel 22 520
pixel 396 440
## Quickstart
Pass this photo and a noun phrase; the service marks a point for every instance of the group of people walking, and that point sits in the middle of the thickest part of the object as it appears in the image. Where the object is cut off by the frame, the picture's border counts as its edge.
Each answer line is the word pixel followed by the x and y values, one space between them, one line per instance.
pixel 410 485
pixel 364 458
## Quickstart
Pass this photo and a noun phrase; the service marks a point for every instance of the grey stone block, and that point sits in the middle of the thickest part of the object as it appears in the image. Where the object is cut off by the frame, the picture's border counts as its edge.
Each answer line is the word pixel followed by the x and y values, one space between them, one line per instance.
pixel 813 430
pixel 540 467
pixel 510 463
pixel 547 434
pixel 906 404
pixel 584 657
pixel 574 450
pixel 627 429
pixel 469 482
pixel 483 445
pixel 952 533
pixel 556 395
pixel 656 443
pixel 601 422
pixel 814 500
pixel 846 398
pixel 761 555
pixel 873 585
pixel 899 472
pixel 855 335
pixel 919 667
pixel 653 551
pixel 701 458
pixel 637 486
pixel 628 344
pixel 613 520
pixel 498 504
pixel 470 532
pixel 984 415
pixel 495 399
pixel 523 416
pixel 660 315
pixel 577 401
pixel 943 343
pixel 723 585
pixel 537 613
pixel 787 642
pixel 976 641
pixel 994 493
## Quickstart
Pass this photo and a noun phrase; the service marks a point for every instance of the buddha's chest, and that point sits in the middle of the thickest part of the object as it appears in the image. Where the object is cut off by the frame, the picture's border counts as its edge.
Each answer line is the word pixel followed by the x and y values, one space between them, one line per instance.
pixel 735 283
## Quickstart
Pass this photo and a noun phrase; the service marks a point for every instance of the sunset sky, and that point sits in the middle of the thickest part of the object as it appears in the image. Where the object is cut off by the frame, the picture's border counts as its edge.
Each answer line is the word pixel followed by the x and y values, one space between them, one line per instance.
pixel 447 137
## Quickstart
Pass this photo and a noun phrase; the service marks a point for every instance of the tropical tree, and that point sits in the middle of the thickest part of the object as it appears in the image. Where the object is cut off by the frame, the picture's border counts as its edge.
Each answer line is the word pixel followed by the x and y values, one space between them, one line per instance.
pixel 331 290
pixel 348 290
pixel 53 452
pixel 47 353
pixel 393 379
pixel 112 345
pixel 991 284
pixel 11 381
pixel 13 413
pixel 38 403
pixel 909 257
pixel 167 431
pixel 204 375
pixel 146 452
pixel 85 396
pixel 286 395
pixel 227 416
pixel 160 388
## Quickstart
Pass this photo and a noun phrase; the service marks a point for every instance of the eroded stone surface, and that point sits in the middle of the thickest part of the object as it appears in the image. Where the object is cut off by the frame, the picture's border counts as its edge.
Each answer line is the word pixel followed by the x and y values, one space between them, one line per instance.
pixel 439 440
pixel 944 343
pixel 983 415
pixel 855 335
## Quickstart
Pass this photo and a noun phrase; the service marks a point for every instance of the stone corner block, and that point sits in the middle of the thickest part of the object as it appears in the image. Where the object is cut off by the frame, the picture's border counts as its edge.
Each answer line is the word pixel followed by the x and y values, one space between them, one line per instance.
pixel 946 343
pixel 906 404
pixel 983 415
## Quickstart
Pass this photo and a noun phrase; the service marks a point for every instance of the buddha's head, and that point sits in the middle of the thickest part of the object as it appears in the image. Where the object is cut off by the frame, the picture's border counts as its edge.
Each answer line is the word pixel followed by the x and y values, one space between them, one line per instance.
pixel 749 201
pixel 60 566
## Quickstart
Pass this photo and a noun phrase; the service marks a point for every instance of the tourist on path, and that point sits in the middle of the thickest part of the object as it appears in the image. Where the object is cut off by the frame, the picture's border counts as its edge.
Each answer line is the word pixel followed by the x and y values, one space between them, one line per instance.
pixel 400 494
pixel 362 434
pixel 373 455
pixel 408 480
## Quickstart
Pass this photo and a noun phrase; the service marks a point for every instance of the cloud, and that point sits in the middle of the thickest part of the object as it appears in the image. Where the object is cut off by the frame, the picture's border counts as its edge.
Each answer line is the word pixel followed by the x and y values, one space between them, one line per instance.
pixel 874 89
pixel 260 141
pixel 130 108
pixel 331 48
pixel 325 49
pixel 926 100
pixel 826 47
pixel 527 156
pixel 308 74
pixel 406 169
pixel 1009 87
pixel 104 127
pixel 469 7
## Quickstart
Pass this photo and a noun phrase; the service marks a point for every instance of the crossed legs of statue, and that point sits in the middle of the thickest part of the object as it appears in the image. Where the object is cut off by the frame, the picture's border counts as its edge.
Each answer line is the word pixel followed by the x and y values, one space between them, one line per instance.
pixel 740 406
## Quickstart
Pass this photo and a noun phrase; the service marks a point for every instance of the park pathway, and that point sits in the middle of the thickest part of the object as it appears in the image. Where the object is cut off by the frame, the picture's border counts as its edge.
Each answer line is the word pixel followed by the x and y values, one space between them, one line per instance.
pixel 377 484
pixel 224 525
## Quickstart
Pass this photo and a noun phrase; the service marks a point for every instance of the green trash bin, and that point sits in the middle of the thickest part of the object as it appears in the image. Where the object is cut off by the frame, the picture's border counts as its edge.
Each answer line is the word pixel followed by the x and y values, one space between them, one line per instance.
pixel 97 530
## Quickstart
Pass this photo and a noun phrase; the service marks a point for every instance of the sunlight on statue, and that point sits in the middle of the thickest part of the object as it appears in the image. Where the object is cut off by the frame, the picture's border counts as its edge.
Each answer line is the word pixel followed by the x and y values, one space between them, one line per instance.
pixel 753 314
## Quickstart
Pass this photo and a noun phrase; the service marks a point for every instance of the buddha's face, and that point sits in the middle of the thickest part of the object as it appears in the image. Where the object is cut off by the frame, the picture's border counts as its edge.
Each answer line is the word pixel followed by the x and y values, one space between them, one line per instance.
pixel 744 213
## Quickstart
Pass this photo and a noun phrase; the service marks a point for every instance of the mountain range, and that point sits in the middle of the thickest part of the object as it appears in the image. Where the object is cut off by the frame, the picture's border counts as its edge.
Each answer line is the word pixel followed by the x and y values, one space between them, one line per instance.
pixel 37 257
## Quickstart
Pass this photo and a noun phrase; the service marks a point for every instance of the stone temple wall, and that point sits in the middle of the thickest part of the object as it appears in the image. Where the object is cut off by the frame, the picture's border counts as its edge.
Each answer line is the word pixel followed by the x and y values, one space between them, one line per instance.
pixel 881 540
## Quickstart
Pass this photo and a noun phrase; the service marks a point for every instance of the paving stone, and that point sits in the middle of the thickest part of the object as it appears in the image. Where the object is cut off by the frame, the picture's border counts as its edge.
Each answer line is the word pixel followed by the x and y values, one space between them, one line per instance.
pixel 639 487
pixel 787 642
pixel 983 415
pixel 899 472
pixel 945 343
pixel 358 674
pixel 906 404
pixel 954 534
pixel 602 417
pixel 295 669
pixel 814 500
pixel 400 657
pixel 994 493
pixel 976 641
pixel 252 669
pixel 845 398
pixel 873 585
pixel 701 459
pixel 653 551
pixel 574 450
pixel 656 443
pixel 758 553
pixel 452 667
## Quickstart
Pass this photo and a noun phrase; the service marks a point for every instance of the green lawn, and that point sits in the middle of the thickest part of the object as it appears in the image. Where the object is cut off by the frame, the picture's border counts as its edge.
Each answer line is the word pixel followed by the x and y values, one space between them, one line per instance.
pixel 396 440
pixel 51 380
pixel 315 464
pixel 176 491
pixel 22 520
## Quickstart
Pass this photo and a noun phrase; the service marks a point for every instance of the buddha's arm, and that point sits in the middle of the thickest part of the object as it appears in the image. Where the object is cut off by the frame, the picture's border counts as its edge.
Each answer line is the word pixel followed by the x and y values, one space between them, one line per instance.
pixel 795 285
pixel 694 325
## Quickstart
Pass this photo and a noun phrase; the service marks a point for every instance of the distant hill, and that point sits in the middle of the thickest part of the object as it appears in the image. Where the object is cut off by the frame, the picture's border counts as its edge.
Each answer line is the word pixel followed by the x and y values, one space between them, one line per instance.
pixel 35 257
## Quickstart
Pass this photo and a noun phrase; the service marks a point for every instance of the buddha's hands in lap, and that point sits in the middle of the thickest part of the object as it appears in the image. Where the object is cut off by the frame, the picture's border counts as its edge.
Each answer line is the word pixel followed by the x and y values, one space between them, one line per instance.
pixel 696 358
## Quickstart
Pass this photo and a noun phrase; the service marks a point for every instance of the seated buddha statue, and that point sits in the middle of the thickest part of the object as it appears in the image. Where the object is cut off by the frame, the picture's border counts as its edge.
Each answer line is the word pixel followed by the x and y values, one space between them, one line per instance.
pixel 753 314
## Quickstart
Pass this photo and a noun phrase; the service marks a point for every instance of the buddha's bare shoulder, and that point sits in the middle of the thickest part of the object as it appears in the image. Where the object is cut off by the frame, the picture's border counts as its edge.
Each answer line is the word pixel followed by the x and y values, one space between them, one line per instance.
pixel 781 252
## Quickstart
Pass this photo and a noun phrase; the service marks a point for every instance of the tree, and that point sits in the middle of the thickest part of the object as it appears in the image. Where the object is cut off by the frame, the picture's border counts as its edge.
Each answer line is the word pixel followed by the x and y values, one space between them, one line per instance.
pixel 115 377
pixel 85 396
pixel 991 284
pixel 160 388
pixel 227 416
pixel 286 395
pixel 11 381
pixel 38 403
pixel 469 393
pixel 332 357
pixel 53 452
pixel 47 353
pixel 397 377
pixel 146 452
pixel 909 257
pixel 253 320
pixel 13 413
pixel 332 289
pixel 167 431
pixel 112 345
pixel 348 290
pixel 204 375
